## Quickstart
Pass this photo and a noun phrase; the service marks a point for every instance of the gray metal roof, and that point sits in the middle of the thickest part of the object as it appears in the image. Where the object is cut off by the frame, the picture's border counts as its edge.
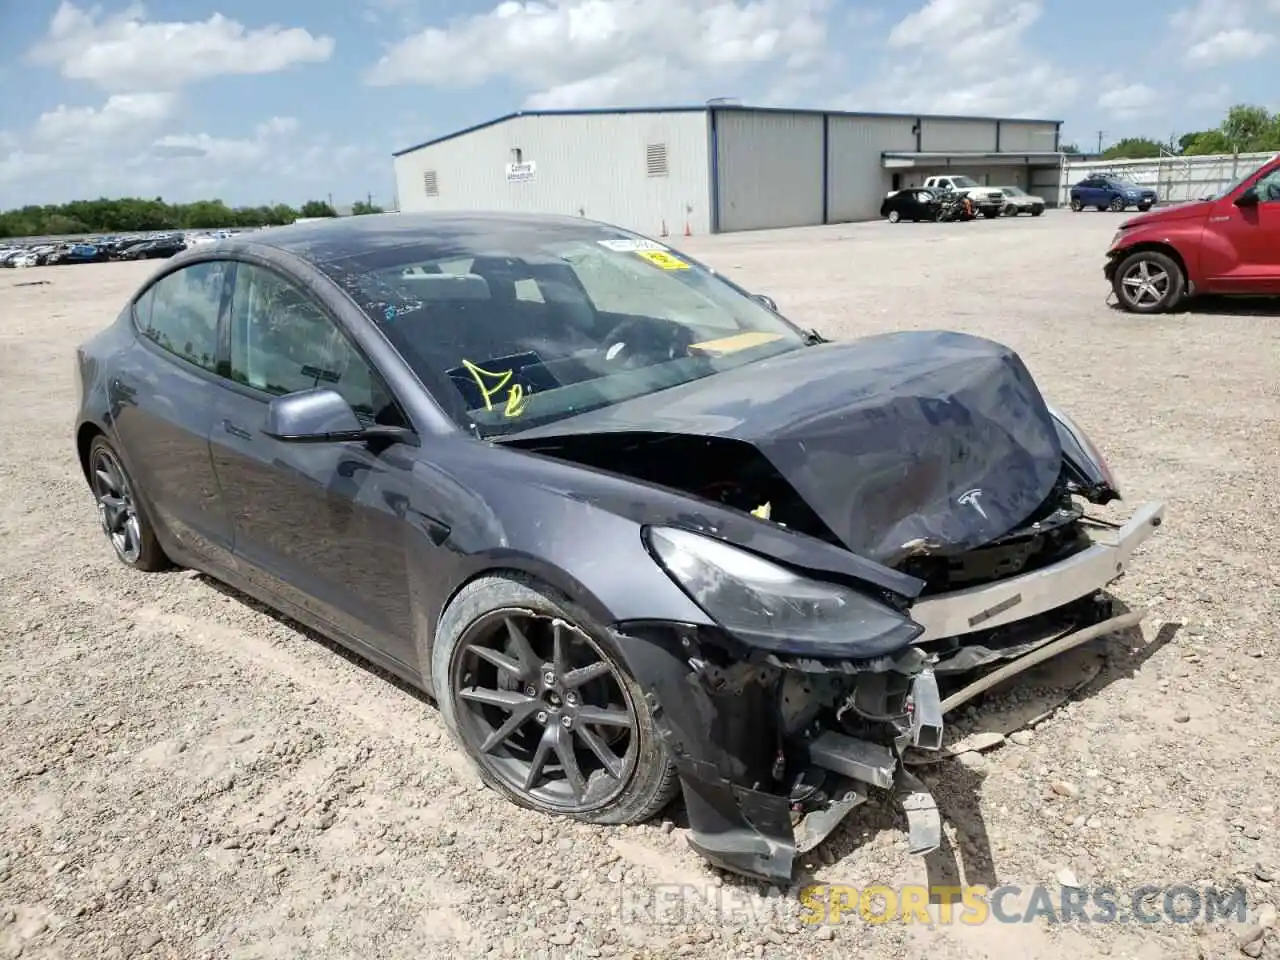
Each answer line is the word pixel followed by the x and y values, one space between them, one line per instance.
pixel 702 108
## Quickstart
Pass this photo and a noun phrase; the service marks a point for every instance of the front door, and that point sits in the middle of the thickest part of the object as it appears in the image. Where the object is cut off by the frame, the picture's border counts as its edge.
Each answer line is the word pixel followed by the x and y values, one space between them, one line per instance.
pixel 163 395
pixel 1243 252
pixel 319 525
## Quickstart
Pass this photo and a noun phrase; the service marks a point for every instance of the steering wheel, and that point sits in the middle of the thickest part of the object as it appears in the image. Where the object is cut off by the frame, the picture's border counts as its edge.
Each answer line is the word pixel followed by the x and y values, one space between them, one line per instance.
pixel 640 341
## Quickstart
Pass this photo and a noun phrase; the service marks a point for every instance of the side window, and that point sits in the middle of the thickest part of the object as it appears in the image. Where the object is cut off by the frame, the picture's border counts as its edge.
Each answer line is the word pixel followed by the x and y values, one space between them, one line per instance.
pixel 180 312
pixel 282 342
pixel 1268 187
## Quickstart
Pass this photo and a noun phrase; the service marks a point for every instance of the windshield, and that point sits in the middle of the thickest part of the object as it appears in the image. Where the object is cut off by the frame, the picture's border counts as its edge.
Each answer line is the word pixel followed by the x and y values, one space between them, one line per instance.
pixel 1014 191
pixel 1232 187
pixel 964 181
pixel 516 324
pixel 1126 185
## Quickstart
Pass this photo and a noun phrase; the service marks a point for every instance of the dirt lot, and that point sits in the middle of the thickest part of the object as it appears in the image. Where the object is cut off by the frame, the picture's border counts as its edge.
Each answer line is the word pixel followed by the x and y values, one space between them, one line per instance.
pixel 186 776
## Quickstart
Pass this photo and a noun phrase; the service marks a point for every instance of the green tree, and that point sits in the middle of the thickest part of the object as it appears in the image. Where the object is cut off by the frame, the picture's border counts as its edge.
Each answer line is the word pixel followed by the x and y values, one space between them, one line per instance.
pixel 1206 143
pixel 1133 148
pixel 1070 148
pixel 136 215
pixel 317 208
pixel 1249 129
pixel 362 207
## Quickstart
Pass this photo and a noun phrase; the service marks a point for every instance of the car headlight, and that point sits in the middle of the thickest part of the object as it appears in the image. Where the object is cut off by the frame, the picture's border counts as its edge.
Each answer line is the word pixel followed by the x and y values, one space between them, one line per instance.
pixel 1082 451
pixel 769 606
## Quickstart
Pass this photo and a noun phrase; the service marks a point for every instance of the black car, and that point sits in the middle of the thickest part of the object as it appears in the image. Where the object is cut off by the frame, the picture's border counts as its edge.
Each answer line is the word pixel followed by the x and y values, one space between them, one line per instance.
pixel 158 248
pixel 914 203
pixel 629 527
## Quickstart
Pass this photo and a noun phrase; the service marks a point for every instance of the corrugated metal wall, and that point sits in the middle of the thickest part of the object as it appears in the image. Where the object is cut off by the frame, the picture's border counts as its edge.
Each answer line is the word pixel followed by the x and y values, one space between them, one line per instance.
pixel 1033 137
pixel 768 169
pixel 955 135
pixel 856 179
pixel 592 165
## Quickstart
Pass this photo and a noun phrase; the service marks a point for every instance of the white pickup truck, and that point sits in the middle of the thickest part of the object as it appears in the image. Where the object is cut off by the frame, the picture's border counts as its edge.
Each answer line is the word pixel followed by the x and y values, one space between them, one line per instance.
pixel 990 201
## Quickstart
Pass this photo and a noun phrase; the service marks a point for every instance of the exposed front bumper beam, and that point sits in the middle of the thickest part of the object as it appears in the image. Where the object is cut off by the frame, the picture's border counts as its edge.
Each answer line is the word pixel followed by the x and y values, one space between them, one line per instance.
pixel 1031 594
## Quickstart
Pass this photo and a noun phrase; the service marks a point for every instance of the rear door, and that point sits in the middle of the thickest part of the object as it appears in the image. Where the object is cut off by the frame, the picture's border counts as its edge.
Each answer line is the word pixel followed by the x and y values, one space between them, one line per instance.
pixel 318 525
pixel 163 392
pixel 1242 244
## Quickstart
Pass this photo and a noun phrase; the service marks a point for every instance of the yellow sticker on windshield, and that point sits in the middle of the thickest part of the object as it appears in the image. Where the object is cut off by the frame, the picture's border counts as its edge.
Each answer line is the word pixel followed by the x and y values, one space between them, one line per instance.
pixel 743 341
pixel 660 258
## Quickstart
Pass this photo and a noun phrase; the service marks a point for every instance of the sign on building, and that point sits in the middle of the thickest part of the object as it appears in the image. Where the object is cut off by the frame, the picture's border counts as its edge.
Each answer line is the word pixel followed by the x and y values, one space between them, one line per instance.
pixel 521 172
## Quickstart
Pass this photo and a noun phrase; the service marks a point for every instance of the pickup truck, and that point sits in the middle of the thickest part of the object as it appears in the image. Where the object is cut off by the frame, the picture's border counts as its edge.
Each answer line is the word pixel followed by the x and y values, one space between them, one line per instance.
pixel 990 201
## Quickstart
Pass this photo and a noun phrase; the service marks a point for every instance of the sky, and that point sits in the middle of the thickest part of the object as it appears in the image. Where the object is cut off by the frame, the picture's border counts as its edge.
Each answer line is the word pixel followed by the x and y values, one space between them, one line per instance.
pixel 280 101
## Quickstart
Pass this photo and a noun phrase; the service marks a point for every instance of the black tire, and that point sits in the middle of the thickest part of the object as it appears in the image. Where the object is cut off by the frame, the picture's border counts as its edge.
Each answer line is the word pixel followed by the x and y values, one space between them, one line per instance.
pixel 1117 205
pixel 894 216
pixel 1011 210
pixel 648 779
pixel 1144 207
pixel 123 515
pixel 1076 205
pixel 1158 297
pixel 1036 211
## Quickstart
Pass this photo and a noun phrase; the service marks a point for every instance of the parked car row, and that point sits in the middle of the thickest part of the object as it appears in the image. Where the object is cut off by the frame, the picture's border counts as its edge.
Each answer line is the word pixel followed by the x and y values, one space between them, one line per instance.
pixel 943 202
pixel 99 249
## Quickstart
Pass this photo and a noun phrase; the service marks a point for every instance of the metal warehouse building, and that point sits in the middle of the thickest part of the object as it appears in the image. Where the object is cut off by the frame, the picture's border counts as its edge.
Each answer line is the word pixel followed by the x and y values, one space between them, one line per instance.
pixel 716 168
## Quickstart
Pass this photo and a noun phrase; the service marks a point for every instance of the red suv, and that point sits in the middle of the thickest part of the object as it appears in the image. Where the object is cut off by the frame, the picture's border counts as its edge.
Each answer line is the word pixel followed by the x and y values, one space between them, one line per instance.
pixel 1226 244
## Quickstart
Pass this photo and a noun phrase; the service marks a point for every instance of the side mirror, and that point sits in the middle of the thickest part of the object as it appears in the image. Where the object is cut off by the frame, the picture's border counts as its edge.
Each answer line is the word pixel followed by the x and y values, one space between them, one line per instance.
pixel 767 301
pixel 323 416
pixel 1248 199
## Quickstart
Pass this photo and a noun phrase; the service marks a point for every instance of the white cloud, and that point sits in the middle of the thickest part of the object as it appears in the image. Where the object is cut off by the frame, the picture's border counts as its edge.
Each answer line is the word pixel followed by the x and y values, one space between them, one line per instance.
pixel 125 52
pixel 1129 100
pixel 123 115
pixel 967 57
pixel 573 53
pixel 1223 31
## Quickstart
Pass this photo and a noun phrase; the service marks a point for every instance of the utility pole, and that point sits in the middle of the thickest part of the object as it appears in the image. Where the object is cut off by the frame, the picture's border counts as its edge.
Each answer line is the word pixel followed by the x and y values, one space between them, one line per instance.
pixel 1101 134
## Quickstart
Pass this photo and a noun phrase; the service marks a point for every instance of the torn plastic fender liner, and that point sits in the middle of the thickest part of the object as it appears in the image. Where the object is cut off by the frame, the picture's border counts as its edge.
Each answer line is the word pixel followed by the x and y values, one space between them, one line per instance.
pixel 724 743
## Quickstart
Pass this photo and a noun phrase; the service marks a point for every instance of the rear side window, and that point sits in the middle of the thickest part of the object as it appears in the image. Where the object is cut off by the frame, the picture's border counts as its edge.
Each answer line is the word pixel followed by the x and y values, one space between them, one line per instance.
pixel 180 312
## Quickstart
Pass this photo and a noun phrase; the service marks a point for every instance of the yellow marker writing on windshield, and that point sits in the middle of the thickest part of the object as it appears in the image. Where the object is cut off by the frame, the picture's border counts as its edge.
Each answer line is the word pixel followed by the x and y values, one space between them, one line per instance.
pixel 660 258
pixel 515 395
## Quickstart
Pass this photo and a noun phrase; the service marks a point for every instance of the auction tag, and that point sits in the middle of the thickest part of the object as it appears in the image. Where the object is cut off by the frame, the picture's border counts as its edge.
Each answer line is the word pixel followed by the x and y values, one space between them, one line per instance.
pixel 660 258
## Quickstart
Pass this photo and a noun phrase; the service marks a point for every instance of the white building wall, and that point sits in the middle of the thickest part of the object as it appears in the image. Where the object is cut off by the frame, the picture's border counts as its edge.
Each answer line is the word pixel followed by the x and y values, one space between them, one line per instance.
pixel 856 178
pixel 769 169
pixel 952 134
pixel 1027 135
pixel 591 165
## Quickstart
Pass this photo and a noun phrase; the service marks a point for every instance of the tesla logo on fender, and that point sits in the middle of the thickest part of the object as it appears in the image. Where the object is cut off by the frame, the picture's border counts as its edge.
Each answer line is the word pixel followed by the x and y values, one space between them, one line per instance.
pixel 970 498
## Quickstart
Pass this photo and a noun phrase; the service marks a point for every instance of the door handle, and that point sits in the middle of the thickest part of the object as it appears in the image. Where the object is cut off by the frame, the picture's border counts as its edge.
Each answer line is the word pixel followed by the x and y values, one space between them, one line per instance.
pixel 236 431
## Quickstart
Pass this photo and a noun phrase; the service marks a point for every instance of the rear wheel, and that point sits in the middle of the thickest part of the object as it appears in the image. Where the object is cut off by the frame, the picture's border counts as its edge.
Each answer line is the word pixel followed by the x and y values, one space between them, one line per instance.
pixel 541 701
pixel 1148 281
pixel 123 518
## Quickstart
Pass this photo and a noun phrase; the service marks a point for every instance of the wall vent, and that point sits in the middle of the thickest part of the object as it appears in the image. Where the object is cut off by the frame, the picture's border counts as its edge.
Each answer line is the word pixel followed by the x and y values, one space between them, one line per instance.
pixel 655 159
pixel 429 185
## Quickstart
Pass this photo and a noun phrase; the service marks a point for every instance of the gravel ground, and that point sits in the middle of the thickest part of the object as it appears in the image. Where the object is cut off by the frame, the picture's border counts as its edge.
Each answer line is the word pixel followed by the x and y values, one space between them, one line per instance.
pixel 186 775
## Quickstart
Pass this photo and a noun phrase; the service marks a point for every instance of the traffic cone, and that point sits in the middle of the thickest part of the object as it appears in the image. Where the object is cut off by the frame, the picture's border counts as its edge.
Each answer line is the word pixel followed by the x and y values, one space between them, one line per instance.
pixel 664 229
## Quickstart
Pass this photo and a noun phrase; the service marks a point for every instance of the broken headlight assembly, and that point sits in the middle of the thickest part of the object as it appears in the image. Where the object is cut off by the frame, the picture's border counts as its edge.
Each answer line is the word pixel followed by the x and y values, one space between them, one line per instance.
pixel 772 608
pixel 1097 481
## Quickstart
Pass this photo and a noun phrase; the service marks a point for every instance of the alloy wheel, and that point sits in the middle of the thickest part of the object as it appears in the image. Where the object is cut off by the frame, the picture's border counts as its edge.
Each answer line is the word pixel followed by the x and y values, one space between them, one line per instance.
pixel 543 709
pixel 894 216
pixel 116 507
pixel 1145 284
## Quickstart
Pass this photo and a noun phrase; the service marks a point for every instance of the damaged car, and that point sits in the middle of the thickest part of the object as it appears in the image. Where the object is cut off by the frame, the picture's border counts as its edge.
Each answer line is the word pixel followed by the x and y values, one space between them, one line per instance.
pixel 632 530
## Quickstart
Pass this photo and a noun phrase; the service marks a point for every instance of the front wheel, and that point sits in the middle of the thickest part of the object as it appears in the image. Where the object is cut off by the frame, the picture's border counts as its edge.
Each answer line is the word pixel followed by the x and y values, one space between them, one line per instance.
pixel 1011 211
pixel 1117 205
pixel 1144 207
pixel 1076 205
pixel 894 216
pixel 1036 211
pixel 540 699
pixel 1148 281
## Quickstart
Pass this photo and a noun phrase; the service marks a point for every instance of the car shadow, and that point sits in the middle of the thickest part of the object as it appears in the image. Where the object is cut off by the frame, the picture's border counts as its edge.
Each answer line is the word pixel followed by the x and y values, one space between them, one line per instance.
pixel 303 630
pixel 1211 305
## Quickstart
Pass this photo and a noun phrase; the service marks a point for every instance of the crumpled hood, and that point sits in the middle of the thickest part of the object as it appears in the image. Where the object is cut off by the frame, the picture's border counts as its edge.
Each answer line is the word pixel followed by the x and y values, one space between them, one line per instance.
pixel 935 438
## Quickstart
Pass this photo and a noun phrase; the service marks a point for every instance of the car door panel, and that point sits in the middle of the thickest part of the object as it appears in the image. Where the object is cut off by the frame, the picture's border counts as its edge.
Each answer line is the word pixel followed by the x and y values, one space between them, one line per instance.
pixel 162 394
pixel 1241 252
pixel 319 525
